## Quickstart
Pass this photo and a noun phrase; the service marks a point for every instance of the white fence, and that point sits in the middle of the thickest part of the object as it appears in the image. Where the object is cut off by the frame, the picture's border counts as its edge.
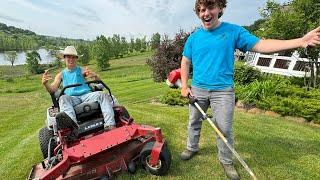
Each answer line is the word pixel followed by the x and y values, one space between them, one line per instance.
pixel 283 65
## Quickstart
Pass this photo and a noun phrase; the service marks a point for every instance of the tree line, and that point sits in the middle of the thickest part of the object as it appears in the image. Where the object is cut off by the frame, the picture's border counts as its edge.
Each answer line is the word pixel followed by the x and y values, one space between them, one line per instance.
pixel 101 50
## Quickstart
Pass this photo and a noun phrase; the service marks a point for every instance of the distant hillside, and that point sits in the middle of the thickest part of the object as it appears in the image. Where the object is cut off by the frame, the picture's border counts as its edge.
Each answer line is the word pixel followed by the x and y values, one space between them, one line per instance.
pixel 17 39
pixel 13 30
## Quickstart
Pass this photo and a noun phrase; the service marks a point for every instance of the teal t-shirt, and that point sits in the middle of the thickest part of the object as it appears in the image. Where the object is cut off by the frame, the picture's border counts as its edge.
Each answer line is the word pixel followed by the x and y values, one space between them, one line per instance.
pixel 211 53
pixel 74 76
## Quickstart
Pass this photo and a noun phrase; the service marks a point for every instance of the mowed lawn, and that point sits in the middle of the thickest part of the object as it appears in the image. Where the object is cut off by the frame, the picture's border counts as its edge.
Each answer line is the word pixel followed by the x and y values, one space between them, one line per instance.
pixel 274 148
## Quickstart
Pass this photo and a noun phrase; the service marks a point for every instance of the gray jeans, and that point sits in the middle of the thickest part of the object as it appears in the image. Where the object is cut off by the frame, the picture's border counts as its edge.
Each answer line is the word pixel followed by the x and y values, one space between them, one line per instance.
pixel 67 104
pixel 222 104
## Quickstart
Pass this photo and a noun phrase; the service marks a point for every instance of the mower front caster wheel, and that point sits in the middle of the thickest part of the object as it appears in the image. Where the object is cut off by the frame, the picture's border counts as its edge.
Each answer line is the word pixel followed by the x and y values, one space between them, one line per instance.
pixel 164 161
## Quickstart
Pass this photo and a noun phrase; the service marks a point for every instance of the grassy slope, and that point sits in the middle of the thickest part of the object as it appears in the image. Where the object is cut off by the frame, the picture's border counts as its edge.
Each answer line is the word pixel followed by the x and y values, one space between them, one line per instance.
pixel 274 148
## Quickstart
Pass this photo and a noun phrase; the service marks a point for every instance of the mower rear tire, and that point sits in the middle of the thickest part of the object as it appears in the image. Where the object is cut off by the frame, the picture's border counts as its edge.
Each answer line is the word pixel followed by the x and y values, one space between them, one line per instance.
pixel 44 137
pixel 164 161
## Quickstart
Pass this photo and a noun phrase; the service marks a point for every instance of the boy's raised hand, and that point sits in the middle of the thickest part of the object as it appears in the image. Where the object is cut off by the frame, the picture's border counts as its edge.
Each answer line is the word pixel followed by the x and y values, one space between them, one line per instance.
pixel 312 38
pixel 89 74
pixel 46 77
pixel 86 71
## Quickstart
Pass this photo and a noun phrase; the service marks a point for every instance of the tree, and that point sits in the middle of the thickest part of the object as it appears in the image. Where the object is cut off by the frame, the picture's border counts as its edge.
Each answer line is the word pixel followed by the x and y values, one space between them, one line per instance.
pixel 124 46
pixel 132 45
pixel 137 44
pixel 32 62
pixel 83 51
pixel 155 40
pixel 255 26
pixel 102 49
pixel 11 56
pixel 143 44
pixel 293 20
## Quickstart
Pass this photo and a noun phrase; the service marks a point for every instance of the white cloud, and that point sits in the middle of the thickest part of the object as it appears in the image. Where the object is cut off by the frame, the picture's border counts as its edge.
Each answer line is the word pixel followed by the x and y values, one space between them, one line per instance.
pixel 88 19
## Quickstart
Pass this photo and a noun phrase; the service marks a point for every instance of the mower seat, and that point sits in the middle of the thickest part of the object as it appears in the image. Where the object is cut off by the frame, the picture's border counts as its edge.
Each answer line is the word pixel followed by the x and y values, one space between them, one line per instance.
pixel 87 111
pixel 93 122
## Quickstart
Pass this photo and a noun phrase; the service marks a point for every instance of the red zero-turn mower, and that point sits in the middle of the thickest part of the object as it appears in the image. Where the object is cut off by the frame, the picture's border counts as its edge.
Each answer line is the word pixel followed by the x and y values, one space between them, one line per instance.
pixel 85 151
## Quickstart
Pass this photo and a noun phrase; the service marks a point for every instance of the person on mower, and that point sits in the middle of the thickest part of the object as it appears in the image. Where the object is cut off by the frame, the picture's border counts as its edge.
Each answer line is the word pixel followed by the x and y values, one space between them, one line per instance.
pixel 210 49
pixel 74 74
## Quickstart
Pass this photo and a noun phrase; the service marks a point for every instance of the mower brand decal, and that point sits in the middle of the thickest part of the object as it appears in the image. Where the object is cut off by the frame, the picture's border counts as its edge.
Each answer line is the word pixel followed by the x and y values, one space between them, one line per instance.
pixel 93 125
pixel 93 171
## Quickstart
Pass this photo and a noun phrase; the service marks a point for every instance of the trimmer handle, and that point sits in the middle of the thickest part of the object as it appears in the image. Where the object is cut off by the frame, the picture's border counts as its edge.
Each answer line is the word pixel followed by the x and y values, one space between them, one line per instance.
pixel 192 99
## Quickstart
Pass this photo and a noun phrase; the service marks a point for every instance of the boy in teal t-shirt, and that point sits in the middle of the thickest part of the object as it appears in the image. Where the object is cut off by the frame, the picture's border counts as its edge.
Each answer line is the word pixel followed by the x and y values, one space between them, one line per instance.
pixel 73 74
pixel 210 49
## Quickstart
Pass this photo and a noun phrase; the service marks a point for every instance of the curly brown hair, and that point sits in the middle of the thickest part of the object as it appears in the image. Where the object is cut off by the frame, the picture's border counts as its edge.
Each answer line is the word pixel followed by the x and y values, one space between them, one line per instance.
pixel 220 3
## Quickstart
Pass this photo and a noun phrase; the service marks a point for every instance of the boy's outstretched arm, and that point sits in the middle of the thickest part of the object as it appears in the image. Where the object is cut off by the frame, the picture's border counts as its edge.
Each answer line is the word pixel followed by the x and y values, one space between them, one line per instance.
pixel 272 45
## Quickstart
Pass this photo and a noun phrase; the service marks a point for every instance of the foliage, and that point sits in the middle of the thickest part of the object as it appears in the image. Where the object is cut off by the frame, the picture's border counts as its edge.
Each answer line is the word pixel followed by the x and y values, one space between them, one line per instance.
pixel 102 49
pixel 131 46
pixel 16 39
pixel 277 94
pixel 292 106
pixel 83 51
pixel 173 97
pixel 32 62
pixel 14 30
pixel 167 56
pixel 11 56
pixel 293 20
pixel 124 47
pixel 255 26
pixel 259 90
pixel 143 44
pixel 244 74
pixel 17 42
pixel 115 42
pixel 137 44
pixel 155 41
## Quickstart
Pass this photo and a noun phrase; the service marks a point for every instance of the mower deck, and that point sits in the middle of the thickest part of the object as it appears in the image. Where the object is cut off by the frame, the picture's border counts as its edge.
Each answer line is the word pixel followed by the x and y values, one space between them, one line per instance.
pixel 106 153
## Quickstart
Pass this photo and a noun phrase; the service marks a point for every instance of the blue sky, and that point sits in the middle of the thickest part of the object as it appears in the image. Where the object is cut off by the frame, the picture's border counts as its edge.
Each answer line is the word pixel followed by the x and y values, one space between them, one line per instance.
pixel 87 19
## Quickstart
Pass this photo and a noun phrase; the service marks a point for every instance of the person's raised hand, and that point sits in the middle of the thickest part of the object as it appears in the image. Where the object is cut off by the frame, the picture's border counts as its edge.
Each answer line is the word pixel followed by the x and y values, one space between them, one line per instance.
pixel 46 77
pixel 312 38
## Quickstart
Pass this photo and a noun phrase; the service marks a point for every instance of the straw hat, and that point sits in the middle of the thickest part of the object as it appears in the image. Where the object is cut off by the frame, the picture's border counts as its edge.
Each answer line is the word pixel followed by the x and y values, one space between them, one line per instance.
pixel 69 50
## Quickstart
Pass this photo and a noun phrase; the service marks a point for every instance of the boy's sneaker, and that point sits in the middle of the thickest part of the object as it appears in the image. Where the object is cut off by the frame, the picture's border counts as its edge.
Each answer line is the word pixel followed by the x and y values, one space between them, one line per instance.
pixel 64 121
pixel 187 154
pixel 230 171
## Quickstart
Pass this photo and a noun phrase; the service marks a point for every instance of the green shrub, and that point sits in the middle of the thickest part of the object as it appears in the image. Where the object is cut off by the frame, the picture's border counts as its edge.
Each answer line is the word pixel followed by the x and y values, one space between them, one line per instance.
pixel 292 106
pixel 299 92
pixel 244 74
pixel 257 91
pixel 299 81
pixel 173 97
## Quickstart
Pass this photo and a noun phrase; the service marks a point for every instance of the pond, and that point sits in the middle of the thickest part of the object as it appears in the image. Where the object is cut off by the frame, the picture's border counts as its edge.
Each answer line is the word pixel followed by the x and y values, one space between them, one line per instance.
pixel 46 58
